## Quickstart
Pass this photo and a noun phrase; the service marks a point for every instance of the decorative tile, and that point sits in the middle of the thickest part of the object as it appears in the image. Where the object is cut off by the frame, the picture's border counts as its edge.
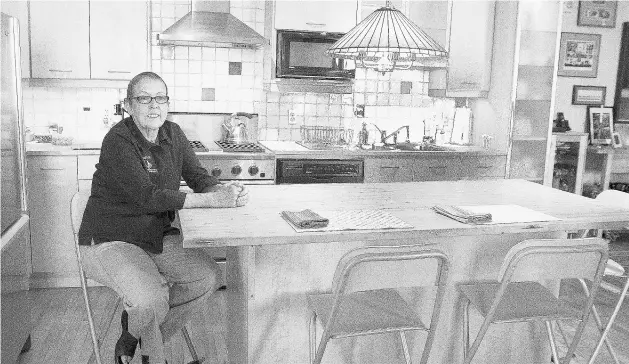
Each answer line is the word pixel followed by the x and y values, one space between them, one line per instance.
pixel 181 52
pixel 168 52
pixel 235 68
pixel 406 87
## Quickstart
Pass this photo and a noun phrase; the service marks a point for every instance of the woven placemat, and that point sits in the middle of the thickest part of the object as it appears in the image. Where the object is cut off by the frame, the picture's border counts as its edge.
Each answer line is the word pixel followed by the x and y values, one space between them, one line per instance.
pixel 358 220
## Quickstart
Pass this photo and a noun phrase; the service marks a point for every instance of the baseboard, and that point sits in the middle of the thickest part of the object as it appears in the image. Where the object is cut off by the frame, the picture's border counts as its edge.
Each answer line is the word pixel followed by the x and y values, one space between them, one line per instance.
pixel 62 280
pixel 58 280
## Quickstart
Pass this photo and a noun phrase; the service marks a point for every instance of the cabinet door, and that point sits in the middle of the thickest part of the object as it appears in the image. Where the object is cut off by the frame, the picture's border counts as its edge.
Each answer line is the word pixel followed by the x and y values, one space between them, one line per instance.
pixel 338 16
pixel 446 168
pixel 118 39
pixel 483 167
pixel 388 170
pixel 60 39
pixel 51 184
pixel 470 46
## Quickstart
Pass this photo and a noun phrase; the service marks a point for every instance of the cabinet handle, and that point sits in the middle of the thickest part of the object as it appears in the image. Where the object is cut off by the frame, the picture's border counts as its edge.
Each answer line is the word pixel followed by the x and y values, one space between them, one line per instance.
pixel 51 169
pixel 116 71
pixel 315 24
pixel 390 167
pixel 56 70
pixel 484 167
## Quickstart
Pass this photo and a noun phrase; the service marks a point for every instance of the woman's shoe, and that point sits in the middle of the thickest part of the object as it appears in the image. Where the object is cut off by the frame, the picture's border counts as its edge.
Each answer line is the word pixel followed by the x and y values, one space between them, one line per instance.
pixel 127 343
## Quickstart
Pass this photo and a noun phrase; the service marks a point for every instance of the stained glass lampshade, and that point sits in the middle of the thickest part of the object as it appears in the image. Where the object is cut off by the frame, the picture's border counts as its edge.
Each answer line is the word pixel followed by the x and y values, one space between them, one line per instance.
pixel 388 40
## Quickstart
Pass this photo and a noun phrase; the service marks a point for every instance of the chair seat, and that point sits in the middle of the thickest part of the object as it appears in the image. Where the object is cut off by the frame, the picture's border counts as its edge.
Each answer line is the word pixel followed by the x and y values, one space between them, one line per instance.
pixel 366 312
pixel 523 301
pixel 613 268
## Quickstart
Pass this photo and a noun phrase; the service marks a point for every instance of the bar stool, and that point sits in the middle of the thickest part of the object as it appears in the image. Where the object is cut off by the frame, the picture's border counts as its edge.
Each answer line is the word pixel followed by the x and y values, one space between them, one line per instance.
pixel 363 299
pixel 619 199
pixel 77 207
pixel 519 297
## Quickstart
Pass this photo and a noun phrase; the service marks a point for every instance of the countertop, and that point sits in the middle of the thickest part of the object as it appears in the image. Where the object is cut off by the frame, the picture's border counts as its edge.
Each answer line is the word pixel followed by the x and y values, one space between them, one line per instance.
pixel 260 222
pixel 34 148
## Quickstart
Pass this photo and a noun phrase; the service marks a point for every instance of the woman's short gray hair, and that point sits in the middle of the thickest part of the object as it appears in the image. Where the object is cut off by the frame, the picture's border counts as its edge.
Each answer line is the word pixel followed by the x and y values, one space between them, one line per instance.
pixel 141 76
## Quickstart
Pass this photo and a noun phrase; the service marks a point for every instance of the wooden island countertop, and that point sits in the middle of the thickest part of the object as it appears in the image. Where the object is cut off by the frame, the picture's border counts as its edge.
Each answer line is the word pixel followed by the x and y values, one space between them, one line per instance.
pixel 260 222
pixel 271 267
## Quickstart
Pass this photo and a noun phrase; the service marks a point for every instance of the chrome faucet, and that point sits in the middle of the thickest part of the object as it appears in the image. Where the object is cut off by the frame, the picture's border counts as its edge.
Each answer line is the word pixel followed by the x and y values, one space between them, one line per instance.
pixel 384 136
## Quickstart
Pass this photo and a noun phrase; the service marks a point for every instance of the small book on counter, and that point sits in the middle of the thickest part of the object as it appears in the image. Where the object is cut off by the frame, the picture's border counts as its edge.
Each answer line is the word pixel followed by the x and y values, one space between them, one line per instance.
pixel 305 219
pixel 462 215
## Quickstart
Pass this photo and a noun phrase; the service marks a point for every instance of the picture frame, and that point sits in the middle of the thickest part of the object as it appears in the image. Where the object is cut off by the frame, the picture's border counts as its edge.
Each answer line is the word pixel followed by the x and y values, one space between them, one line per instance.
pixel 588 95
pixel 601 125
pixel 579 54
pixel 600 14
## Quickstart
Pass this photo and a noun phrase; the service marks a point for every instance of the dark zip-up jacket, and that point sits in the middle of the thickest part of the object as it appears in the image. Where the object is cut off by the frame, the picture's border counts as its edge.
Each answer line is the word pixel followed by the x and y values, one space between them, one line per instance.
pixel 135 189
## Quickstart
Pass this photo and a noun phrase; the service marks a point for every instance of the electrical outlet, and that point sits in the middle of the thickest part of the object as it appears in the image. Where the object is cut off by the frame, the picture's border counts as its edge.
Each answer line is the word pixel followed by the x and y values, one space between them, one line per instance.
pixel 359 111
pixel 291 117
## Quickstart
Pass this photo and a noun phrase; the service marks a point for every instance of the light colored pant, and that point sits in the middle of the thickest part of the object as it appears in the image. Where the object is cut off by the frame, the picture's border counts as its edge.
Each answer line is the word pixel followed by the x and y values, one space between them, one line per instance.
pixel 161 292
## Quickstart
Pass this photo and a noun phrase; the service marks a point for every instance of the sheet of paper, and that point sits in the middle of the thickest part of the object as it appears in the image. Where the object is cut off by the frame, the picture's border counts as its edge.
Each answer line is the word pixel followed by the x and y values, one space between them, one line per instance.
pixel 508 214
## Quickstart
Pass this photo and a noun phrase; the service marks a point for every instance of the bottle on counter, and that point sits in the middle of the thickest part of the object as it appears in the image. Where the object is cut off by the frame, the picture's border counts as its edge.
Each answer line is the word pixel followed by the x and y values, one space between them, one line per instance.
pixel 363 135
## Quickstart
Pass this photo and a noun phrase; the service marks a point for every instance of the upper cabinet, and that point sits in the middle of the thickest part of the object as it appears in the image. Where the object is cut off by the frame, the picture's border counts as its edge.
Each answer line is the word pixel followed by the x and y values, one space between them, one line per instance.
pixel 60 39
pixel 82 40
pixel 118 52
pixel 339 16
pixel 469 41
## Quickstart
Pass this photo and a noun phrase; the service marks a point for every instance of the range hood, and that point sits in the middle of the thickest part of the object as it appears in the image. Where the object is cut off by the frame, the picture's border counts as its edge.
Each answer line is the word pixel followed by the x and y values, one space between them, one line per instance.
pixel 210 24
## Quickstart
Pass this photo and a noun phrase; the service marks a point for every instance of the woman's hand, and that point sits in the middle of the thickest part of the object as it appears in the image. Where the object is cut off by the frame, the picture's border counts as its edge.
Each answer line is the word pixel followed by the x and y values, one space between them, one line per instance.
pixel 230 194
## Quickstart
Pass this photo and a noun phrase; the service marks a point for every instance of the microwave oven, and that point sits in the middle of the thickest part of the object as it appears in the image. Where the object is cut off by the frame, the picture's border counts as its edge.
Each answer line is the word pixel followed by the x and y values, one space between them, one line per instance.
pixel 301 54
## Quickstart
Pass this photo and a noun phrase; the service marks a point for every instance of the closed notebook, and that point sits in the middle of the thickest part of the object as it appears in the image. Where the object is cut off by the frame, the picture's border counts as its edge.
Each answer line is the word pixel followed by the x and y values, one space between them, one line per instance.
pixel 462 215
pixel 305 219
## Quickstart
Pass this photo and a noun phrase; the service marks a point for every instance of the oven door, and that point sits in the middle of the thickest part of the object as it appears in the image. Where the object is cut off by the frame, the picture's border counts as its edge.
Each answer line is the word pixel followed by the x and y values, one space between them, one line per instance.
pixel 302 171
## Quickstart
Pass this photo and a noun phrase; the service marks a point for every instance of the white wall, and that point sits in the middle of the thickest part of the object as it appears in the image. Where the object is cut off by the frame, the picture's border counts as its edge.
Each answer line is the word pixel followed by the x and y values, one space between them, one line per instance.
pixel 607 66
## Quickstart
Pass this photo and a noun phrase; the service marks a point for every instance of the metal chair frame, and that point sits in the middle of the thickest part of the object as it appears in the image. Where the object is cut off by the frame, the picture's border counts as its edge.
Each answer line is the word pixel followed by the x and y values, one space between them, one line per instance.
pixel 344 287
pixel 620 199
pixel 513 275
pixel 77 207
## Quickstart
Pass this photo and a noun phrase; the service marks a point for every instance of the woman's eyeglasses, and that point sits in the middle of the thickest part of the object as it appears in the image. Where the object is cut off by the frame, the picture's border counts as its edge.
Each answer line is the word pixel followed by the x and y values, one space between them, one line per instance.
pixel 147 99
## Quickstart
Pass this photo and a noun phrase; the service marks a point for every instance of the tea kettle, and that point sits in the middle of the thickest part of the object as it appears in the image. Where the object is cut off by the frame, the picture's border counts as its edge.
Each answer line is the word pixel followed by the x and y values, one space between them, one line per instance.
pixel 235 130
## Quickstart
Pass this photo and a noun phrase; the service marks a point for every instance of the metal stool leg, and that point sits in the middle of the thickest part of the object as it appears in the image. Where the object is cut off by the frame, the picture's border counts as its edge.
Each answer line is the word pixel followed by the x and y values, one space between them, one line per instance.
pixel 193 352
pixel 407 355
pixel 551 339
pixel 312 329
pixel 604 333
pixel 600 328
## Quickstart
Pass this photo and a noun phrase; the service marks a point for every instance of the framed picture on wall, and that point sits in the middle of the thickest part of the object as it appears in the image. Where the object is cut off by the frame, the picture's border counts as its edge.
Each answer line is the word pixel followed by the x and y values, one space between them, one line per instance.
pixel 601 125
pixel 578 54
pixel 588 95
pixel 597 14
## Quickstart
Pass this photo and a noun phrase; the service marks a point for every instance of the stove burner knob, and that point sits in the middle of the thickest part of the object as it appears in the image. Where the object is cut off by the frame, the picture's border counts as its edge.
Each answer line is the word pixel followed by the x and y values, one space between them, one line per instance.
pixel 236 170
pixel 253 170
pixel 216 172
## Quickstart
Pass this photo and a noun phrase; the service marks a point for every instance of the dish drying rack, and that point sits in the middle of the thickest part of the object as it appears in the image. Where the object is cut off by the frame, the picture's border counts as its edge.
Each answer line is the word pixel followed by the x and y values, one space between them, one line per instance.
pixel 325 137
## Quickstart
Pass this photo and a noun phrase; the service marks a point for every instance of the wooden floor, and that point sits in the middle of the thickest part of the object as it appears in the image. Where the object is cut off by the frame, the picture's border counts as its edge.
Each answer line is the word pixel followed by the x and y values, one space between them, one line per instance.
pixel 61 333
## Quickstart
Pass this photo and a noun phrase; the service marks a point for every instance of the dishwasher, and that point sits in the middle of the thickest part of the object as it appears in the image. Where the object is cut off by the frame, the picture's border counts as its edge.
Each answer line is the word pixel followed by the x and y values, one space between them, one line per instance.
pixel 303 171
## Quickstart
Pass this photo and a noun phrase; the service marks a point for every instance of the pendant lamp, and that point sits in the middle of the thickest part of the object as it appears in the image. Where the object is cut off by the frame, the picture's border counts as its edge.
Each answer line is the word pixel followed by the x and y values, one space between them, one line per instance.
pixel 388 40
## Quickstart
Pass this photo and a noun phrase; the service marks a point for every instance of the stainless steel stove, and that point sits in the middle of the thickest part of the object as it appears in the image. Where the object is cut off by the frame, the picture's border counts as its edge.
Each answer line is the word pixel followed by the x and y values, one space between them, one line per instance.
pixel 249 163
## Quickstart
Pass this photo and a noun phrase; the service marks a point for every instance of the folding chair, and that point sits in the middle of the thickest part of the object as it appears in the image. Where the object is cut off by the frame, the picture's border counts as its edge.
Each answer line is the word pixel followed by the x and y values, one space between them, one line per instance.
pixel 77 207
pixel 619 199
pixel 519 297
pixel 364 300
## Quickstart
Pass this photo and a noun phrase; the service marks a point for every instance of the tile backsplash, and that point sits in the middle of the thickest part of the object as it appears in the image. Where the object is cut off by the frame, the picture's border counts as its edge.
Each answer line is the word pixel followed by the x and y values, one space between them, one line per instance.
pixel 202 79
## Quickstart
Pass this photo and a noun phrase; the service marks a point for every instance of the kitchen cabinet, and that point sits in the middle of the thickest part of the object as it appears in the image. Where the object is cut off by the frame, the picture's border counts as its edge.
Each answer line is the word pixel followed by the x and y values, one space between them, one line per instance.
pixel 119 39
pixel 469 41
pixel 86 166
pixel 60 39
pixel 446 168
pixel 52 181
pixel 311 15
pixel 566 162
pixel 598 169
pixel 388 170
pixel 89 40
pixel 483 167
pixel 534 82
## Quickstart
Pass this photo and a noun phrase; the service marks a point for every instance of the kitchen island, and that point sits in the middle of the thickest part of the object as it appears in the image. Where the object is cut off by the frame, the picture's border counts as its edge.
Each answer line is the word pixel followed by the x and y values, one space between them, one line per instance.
pixel 271 267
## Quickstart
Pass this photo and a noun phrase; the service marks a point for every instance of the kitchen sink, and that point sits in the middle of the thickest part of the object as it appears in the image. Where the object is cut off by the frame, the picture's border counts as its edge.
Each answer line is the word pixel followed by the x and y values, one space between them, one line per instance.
pixel 414 147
